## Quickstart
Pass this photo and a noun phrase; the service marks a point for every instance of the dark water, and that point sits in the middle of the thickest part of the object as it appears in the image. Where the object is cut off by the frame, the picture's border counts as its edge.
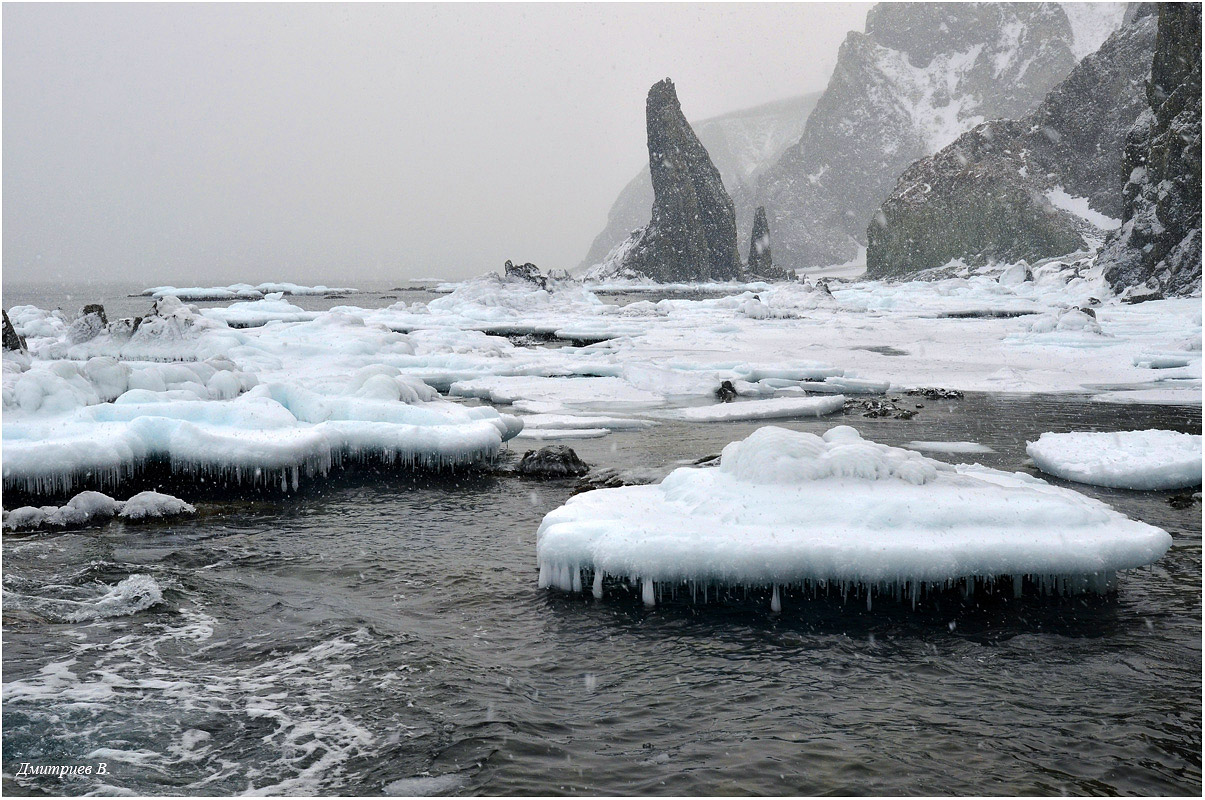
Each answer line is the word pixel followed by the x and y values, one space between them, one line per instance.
pixel 379 628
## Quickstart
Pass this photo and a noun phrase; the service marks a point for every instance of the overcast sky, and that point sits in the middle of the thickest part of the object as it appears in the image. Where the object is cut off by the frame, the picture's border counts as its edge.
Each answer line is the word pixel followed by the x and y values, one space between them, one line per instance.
pixel 197 144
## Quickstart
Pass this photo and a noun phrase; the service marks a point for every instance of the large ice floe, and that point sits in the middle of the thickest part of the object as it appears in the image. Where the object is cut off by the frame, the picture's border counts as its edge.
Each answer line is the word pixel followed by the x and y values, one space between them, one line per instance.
pixel 263 407
pixel 792 510
pixel 1151 459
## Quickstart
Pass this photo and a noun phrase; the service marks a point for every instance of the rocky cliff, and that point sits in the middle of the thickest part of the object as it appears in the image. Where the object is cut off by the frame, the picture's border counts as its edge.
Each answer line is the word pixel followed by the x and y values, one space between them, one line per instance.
pixel 1157 250
pixel 921 75
pixel 692 233
pixel 1045 185
pixel 742 145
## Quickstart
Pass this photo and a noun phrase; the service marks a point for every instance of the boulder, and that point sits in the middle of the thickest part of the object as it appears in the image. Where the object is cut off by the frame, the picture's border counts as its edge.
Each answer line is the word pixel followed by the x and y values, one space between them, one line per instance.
pixel 554 461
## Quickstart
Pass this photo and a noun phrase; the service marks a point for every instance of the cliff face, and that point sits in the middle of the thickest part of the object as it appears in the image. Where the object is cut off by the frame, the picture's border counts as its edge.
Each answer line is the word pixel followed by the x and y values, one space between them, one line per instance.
pixel 1157 250
pixel 692 233
pixel 920 76
pixel 1044 185
pixel 742 145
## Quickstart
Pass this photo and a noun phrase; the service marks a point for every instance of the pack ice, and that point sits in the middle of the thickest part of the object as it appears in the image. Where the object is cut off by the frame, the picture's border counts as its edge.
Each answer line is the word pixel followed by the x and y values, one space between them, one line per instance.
pixel 837 512
pixel 1151 459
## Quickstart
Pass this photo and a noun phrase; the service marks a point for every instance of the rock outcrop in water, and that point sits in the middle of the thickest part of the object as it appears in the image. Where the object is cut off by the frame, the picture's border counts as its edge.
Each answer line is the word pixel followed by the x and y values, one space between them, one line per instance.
pixel 921 74
pixel 1157 250
pixel 742 144
pixel 1045 185
pixel 692 233
pixel 554 461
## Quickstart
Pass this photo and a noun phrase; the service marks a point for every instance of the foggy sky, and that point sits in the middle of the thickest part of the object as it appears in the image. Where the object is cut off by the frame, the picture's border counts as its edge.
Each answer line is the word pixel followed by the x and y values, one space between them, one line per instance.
pixel 200 144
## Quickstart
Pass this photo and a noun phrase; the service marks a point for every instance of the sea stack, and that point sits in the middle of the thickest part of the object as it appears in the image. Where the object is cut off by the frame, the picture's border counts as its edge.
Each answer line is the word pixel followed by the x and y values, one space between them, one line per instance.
pixel 761 262
pixel 692 233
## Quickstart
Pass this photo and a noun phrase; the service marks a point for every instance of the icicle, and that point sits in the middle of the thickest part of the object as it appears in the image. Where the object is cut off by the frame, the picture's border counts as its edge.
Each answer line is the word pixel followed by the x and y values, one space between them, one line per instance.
pixel 775 602
pixel 577 579
pixel 650 597
pixel 544 576
pixel 598 578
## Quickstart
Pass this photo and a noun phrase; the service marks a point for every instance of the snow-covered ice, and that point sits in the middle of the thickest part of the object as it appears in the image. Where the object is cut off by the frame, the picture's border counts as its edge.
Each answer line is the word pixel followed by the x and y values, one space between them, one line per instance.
pixel 787 508
pixel 241 291
pixel 1151 459
pixel 773 408
pixel 950 447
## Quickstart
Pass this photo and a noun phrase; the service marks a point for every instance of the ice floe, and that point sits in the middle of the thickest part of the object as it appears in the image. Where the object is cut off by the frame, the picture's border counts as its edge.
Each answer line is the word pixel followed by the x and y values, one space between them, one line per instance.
pixel 773 408
pixel 951 447
pixel 1151 459
pixel 241 291
pixel 837 512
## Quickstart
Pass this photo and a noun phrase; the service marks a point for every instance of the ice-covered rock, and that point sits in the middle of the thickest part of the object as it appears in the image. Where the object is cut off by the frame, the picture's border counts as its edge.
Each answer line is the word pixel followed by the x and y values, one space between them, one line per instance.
pixel 761 260
pixel 88 508
pixel 1150 459
pixel 792 509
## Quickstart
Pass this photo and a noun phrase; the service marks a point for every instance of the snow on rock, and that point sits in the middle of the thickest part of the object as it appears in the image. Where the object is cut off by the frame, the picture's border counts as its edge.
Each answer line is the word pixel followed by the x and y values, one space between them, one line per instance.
pixel 787 508
pixel 1151 459
pixel 772 408
pixel 89 507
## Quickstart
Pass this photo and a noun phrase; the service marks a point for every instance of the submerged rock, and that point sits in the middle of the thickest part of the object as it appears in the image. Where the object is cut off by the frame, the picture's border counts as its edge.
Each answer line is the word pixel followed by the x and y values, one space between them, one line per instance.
pixel 1157 250
pixel 554 461
pixel 12 339
pixel 692 233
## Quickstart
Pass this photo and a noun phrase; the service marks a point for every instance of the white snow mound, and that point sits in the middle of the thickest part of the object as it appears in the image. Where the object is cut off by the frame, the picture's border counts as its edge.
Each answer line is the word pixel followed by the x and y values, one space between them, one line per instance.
pixel 793 508
pixel 1151 459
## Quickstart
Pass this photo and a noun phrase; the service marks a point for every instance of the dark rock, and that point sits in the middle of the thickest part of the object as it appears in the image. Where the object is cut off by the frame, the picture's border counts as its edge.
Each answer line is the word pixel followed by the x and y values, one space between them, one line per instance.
pixel 874 409
pixel 916 62
pixel 692 233
pixel 554 461
pixel 1184 500
pixel 726 393
pixel 12 339
pixel 931 393
pixel 986 197
pixel 95 308
pixel 525 272
pixel 1157 250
